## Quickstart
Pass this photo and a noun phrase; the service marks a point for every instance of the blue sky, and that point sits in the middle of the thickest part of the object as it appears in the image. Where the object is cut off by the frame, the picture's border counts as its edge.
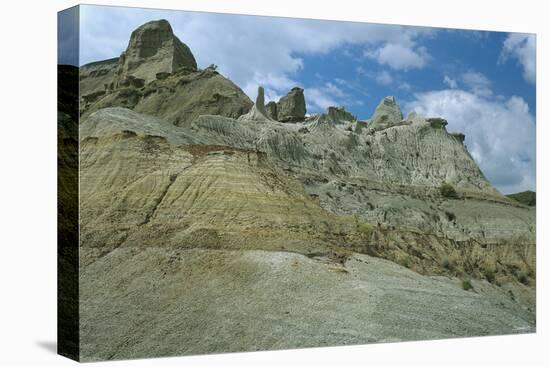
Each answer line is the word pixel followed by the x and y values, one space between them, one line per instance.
pixel 483 83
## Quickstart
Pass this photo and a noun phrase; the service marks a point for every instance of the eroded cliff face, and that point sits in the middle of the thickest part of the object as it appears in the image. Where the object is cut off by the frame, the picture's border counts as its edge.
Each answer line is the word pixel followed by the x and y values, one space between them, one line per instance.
pixel 153 48
pixel 331 180
pixel 220 196
pixel 194 199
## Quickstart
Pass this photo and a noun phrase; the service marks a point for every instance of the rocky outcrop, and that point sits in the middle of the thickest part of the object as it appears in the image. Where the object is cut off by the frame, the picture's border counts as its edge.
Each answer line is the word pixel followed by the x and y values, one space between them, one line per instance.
pixel 258 111
pixel 97 76
pixel 191 187
pixel 157 76
pixel 271 109
pixel 292 107
pixel 166 203
pixel 153 48
pixel 339 115
pixel 387 114
pixel 528 198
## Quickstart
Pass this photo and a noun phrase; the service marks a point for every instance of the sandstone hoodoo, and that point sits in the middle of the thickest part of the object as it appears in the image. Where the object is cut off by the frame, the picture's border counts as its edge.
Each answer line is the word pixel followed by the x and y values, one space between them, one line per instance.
pixel 187 186
pixel 153 48
pixel 292 107
pixel 258 111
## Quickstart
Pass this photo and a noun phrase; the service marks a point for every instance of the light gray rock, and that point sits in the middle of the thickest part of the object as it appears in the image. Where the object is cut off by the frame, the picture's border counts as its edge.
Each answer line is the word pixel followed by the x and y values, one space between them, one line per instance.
pixel 387 114
pixel 292 107
pixel 257 112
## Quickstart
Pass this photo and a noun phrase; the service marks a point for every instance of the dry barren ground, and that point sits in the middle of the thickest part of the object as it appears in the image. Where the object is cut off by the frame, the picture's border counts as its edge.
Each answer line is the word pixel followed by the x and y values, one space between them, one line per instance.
pixel 181 302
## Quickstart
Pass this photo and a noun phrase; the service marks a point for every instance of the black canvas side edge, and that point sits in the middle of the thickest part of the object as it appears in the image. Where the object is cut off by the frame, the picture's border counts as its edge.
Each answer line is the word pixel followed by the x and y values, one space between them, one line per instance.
pixel 68 340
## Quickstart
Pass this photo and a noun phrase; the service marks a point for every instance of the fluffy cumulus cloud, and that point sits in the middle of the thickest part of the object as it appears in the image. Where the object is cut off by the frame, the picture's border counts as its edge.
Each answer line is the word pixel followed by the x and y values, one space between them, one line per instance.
pixel 500 134
pixel 339 93
pixel 257 50
pixel 522 48
pixel 399 56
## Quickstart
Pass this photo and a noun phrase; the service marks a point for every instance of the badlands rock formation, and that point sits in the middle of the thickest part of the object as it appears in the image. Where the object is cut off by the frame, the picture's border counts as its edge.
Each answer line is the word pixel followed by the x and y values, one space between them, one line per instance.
pixel 153 49
pixel 208 225
pixel 387 114
pixel 271 109
pixel 292 107
pixel 158 75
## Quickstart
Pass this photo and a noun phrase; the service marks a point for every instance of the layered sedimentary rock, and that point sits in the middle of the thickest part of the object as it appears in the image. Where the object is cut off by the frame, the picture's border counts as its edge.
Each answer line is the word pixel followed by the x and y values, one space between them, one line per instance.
pixel 162 201
pixel 194 201
pixel 292 107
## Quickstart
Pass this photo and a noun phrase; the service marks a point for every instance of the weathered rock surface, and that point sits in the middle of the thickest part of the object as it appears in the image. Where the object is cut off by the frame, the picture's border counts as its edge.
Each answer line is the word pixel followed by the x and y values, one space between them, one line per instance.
pixel 292 107
pixel 334 115
pixel 157 75
pixel 153 48
pixel 526 197
pixel 97 76
pixel 258 111
pixel 163 301
pixel 271 109
pixel 178 98
pixel 166 201
pixel 202 216
pixel 387 114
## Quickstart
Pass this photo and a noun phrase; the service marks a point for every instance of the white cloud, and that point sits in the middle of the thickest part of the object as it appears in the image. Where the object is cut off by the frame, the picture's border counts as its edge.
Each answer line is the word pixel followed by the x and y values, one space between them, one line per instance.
pixel 500 135
pixel 399 57
pixel 384 78
pixel 275 85
pixel 405 87
pixel 450 82
pixel 320 97
pixel 256 49
pixel 477 83
pixel 318 100
pixel 522 47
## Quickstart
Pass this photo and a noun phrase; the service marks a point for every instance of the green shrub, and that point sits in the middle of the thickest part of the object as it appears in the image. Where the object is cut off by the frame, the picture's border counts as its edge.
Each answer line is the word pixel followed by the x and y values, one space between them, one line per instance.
pixel 405 261
pixel 447 190
pixel 365 229
pixel 467 285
